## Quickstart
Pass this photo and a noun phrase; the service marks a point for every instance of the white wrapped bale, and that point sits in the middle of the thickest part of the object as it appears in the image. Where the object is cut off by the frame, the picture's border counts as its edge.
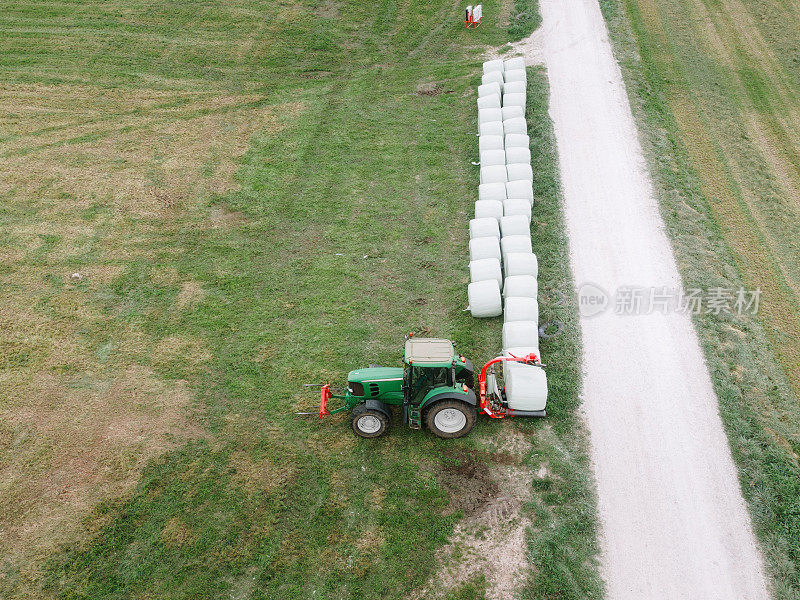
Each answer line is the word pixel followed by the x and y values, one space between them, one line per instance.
pixel 519 172
pixel 495 65
pixel 487 115
pixel 515 225
pixel 513 75
pixel 493 157
pixel 518 154
pixel 486 268
pixel 491 128
pixel 489 208
pixel 521 309
pixel 516 243
pixel 521 263
pixel 512 64
pixel 514 140
pixel 514 100
pixel 515 125
pixel 520 188
pixel 483 227
pixel 494 77
pixel 512 112
pixel 517 206
pixel 489 89
pixel 491 101
pixel 490 142
pixel 515 87
pixel 493 173
pixel 492 191
pixel 484 299
pixel 526 387
pixel 522 286
pixel 484 247
pixel 520 333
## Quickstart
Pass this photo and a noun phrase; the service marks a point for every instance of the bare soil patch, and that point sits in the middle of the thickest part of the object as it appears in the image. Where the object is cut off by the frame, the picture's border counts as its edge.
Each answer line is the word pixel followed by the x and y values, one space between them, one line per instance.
pixel 490 487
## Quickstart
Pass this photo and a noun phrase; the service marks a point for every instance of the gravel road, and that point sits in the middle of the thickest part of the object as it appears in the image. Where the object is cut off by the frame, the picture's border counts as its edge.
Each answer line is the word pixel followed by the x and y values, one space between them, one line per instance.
pixel 673 521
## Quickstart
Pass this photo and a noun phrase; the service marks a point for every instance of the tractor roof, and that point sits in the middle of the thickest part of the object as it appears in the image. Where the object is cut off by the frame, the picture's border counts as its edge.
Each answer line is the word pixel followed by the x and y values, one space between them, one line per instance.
pixel 429 352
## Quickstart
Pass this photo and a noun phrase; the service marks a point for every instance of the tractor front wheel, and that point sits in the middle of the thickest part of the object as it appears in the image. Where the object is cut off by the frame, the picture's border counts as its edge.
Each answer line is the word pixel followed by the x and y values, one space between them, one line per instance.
pixel 451 418
pixel 369 422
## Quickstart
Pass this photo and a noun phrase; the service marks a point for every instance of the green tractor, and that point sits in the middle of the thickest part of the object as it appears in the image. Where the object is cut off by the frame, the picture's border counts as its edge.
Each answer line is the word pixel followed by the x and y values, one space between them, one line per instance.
pixel 434 387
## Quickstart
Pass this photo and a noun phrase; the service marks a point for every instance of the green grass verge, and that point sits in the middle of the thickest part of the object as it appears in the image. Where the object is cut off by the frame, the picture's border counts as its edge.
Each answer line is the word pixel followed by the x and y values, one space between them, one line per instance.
pixel 524 20
pixel 757 403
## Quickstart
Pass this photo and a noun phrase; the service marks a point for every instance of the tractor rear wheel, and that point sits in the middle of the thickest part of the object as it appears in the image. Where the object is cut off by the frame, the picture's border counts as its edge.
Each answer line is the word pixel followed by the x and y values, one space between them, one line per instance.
pixel 369 422
pixel 451 418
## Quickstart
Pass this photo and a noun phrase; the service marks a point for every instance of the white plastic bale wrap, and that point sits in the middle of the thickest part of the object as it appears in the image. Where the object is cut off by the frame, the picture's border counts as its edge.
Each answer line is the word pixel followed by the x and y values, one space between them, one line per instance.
pixel 514 140
pixel 484 299
pixel 526 387
pixel 514 100
pixel 493 173
pixel 512 112
pixel 516 243
pixel 512 64
pixel 491 128
pixel 485 268
pixel 515 125
pixel 490 142
pixel 524 286
pixel 495 65
pixel 520 333
pixel 493 157
pixel 491 101
pixel 520 188
pixel 521 309
pixel 489 208
pixel 515 225
pixel 521 263
pixel 483 227
pixel 518 154
pixel 519 351
pixel 484 247
pixel 493 77
pixel 517 206
pixel 515 87
pixel 487 115
pixel 514 75
pixel 519 172
pixel 492 191
pixel 489 89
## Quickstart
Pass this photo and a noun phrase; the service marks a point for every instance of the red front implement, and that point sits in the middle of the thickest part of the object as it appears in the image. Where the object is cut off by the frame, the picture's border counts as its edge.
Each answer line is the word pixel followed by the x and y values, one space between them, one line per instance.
pixel 324 396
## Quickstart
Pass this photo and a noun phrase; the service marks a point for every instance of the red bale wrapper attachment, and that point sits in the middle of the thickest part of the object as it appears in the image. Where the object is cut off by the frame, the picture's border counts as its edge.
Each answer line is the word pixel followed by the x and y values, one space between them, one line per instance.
pixel 485 407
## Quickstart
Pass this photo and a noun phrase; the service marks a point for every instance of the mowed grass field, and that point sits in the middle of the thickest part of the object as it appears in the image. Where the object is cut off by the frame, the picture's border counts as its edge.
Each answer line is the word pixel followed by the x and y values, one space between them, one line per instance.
pixel 205 205
pixel 715 85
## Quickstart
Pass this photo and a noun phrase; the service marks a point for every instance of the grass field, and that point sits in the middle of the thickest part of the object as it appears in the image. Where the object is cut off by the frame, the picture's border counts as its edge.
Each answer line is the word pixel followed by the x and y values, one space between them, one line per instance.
pixel 715 86
pixel 204 207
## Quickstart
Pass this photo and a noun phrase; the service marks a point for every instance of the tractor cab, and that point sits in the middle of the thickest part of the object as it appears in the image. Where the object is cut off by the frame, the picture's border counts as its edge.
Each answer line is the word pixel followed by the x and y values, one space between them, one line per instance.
pixel 429 363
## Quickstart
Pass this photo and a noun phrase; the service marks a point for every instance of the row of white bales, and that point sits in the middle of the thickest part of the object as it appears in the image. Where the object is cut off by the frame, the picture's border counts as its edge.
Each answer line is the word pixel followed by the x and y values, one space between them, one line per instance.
pixel 503 268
